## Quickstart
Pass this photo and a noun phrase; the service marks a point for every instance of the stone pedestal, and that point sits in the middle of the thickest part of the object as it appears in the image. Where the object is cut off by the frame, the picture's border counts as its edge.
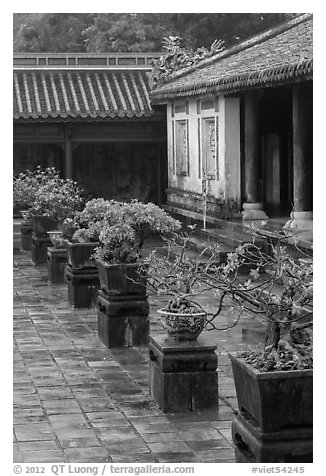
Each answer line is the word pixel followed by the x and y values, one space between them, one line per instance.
pixel 83 284
pixel 183 374
pixel 285 446
pixel 57 260
pixel 26 231
pixel 253 211
pixel 300 222
pixel 122 322
pixel 40 246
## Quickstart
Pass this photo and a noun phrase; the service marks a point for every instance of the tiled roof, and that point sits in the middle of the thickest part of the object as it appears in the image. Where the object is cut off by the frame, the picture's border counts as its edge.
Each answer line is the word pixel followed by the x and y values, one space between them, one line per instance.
pixel 277 56
pixel 83 93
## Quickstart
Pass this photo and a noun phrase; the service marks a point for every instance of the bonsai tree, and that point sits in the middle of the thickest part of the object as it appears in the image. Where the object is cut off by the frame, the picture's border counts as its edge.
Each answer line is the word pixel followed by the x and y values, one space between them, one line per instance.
pixel 174 274
pixel 279 289
pixel 181 279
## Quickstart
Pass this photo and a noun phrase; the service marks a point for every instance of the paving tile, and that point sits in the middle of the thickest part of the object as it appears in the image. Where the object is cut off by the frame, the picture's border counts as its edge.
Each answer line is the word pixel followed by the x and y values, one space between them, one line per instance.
pixel 133 458
pixel 117 435
pixel 95 404
pixel 135 445
pixel 207 444
pixel 217 456
pixel 63 421
pixel 107 419
pixel 48 445
pixel 43 457
pixel 177 457
pixel 200 435
pixel 34 432
pixel 169 447
pixel 54 393
pixel 79 442
pixel 67 405
pixel 161 437
pixel 87 455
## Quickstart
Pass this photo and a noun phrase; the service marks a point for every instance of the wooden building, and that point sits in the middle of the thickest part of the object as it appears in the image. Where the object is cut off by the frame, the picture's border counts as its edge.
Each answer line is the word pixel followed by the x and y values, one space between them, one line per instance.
pixel 239 128
pixel 90 116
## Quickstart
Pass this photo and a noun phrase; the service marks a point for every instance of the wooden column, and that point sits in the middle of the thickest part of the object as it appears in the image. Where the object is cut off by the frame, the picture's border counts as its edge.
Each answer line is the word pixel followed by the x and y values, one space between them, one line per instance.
pixel 252 147
pixel 68 151
pixel 253 208
pixel 302 148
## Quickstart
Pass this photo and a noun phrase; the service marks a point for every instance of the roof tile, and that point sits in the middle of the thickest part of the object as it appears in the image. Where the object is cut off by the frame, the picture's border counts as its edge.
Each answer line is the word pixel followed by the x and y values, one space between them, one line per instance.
pixel 44 94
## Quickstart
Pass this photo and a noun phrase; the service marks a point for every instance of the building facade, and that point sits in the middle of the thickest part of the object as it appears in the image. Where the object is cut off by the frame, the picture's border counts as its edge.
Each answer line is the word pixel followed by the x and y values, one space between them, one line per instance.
pixel 239 128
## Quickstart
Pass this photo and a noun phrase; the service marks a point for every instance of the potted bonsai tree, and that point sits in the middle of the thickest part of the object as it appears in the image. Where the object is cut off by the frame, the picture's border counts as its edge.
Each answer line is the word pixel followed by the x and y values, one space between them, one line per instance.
pixel 274 383
pixel 172 273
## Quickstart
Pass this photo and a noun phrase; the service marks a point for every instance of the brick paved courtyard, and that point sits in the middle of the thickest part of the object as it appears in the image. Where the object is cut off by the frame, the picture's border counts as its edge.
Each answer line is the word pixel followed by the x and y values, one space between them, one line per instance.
pixel 77 401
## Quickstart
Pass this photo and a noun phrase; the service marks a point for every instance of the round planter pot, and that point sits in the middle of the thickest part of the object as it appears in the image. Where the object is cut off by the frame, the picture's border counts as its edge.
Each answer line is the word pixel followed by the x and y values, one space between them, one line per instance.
pixel 280 400
pixel 123 279
pixel 56 239
pixel 80 254
pixel 182 326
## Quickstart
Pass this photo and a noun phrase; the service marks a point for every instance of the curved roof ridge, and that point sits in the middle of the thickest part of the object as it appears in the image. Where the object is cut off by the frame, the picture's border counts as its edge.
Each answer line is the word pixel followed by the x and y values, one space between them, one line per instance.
pixel 249 42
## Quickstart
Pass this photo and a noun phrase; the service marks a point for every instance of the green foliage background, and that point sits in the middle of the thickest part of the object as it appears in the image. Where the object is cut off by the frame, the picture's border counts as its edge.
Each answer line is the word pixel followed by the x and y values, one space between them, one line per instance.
pixel 118 32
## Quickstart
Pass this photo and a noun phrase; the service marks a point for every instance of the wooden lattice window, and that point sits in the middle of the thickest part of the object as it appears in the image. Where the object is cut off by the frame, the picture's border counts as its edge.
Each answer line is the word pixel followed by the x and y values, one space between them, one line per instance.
pixel 210 147
pixel 182 147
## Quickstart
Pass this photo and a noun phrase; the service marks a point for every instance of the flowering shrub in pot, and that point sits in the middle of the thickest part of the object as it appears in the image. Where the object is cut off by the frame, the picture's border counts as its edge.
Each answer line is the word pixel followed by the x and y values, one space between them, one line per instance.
pixel 56 199
pixel 26 185
pixel 121 242
pixel 25 188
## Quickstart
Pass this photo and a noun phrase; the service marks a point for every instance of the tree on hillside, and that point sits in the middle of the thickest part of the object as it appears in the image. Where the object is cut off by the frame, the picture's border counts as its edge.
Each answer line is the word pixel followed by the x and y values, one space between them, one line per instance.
pixel 52 32
pixel 105 32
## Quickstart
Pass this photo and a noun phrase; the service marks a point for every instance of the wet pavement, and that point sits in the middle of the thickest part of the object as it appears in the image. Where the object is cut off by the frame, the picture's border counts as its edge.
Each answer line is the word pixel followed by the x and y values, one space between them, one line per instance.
pixel 77 401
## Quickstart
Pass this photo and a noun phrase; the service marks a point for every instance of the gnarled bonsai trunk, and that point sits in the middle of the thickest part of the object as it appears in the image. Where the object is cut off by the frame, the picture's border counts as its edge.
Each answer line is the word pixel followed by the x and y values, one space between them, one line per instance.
pixel 282 337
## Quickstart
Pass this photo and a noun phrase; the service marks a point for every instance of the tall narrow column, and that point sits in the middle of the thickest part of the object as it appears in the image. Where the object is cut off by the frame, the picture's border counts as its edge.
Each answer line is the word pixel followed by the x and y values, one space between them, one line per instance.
pixel 301 217
pixel 252 208
pixel 68 151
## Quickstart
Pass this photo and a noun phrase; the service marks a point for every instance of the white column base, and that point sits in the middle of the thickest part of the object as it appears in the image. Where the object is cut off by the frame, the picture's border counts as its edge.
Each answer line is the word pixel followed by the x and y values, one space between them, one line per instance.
pixel 253 211
pixel 300 221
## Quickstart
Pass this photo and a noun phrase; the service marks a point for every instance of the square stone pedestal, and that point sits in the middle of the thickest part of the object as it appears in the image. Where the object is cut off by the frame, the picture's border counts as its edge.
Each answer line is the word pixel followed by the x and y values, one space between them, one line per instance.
pixel 284 446
pixel 26 231
pixel 183 374
pixel 83 284
pixel 40 246
pixel 122 322
pixel 57 260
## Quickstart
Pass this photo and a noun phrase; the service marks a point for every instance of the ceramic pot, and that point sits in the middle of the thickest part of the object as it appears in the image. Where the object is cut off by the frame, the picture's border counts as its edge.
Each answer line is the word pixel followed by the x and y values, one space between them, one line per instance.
pixel 183 326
